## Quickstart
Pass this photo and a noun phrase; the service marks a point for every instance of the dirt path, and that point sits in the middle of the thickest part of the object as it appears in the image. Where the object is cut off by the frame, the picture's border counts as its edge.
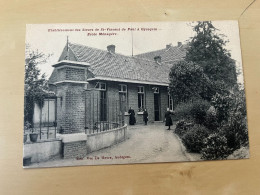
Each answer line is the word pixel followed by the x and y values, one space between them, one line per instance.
pixel 146 144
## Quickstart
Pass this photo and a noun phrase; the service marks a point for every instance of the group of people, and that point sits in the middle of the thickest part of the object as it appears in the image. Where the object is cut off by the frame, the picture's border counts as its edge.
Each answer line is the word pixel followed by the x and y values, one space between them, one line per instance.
pixel 132 119
pixel 168 119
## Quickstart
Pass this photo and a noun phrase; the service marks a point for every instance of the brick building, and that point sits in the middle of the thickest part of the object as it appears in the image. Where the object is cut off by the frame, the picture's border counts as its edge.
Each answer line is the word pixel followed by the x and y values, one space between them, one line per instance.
pixel 141 81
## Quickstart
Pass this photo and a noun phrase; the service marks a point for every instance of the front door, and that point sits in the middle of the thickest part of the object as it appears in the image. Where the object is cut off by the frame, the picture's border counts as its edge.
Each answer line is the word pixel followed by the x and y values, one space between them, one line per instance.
pixel 157 107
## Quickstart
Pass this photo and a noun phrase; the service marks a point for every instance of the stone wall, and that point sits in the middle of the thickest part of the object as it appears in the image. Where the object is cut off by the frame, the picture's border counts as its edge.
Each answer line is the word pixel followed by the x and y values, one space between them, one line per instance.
pixel 77 149
pixel 43 150
pixel 105 139
pixel 69 83
pixel 74 145
pixel 71 108
pixel 75 74
pixel 78 145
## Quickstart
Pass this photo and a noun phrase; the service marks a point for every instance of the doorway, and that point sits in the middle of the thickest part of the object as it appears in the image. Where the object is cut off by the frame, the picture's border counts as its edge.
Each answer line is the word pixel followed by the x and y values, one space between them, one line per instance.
pixel 156 107
pixel 103 106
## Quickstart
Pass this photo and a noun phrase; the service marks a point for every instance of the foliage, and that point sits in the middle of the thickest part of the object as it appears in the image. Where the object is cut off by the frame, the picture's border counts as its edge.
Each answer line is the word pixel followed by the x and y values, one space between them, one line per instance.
pixel 193 110
pixel 199 111
pixel 222 105
pixel 236 132
pixel 228 104
pixel 209 100
pixel 182 111
pixel 238 102
pixel 187 80
pixel 211 119
pixel 215 147
pixel 28 127
pixel 193 139
pixel 182 127
pixel 206 70
pixel 35 83
pixel 232 129
pixel 207 49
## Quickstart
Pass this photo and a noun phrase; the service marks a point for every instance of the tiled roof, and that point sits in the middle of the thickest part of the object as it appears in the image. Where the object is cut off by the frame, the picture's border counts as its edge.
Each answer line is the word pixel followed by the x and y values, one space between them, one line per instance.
pixel 54 76
pixel 113 65
pixel 171 54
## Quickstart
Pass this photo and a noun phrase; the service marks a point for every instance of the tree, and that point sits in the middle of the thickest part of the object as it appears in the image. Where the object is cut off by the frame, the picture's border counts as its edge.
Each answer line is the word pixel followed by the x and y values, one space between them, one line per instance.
pixel 207 49
pixel 187 81
pixel 35 83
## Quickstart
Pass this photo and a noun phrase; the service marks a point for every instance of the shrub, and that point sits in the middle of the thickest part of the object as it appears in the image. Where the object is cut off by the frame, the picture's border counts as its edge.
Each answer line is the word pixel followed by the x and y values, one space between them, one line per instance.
pixel 199 111
pixel 222 103
pixel 182 111
pixel 194 110
pixel 182 127
pixel 211 119
pixel 215 147
pixel 193 139
pixel 236 132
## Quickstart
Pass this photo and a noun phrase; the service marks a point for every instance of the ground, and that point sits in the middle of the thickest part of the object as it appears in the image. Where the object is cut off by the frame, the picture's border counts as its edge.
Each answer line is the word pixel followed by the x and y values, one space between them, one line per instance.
pixel 151 143
pixel 240 153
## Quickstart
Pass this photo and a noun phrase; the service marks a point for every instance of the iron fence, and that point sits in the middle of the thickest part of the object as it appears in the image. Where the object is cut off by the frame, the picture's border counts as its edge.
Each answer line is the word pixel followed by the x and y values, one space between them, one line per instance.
pixel 103 114
pixel 41 116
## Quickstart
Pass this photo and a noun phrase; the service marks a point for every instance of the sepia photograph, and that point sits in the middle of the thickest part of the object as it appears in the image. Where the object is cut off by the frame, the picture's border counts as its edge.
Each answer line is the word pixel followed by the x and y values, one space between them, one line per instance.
pixel 124 93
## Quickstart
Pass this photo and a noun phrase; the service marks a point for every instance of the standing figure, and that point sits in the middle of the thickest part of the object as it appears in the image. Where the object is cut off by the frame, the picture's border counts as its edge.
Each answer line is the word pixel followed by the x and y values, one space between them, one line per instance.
pixel 168 119
pixel 145 116
pixel 131 113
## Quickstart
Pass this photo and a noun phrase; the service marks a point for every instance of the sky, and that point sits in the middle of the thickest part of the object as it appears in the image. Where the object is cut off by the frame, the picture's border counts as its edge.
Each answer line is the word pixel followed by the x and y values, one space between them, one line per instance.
pixel 139 37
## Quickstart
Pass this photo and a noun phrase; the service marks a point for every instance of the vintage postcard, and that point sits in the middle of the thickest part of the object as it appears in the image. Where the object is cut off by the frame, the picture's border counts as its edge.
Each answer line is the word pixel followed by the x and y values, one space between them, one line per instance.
pixel 120 93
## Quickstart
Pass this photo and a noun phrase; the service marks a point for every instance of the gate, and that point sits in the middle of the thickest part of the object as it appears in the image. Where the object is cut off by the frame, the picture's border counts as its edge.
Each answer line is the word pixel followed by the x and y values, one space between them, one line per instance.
pixel 41 116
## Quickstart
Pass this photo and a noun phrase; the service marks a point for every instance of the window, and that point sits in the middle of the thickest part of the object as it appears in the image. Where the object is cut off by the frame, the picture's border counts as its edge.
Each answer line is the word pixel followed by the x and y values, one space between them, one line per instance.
pixel 123 97
pixel 140 89
pixel 103 101
pixel 141 99
pixel 155 90
pixel 122 88
pixel 101 86
pixel 170 102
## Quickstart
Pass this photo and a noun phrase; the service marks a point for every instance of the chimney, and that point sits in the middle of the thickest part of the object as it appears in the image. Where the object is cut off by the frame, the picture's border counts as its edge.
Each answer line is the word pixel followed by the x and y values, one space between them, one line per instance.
pixel 158 59
pixel 179 44
pixel 168 46
pixel 111 48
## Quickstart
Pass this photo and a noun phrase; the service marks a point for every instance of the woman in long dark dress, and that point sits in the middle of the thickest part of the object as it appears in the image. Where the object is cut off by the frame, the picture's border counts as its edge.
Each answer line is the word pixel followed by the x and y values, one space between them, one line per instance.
pixel 131 113
pixel 168 119
pixel 145 116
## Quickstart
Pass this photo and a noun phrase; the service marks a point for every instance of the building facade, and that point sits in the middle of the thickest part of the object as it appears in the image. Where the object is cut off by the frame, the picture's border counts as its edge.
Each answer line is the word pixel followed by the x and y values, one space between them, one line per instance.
pixel 85 79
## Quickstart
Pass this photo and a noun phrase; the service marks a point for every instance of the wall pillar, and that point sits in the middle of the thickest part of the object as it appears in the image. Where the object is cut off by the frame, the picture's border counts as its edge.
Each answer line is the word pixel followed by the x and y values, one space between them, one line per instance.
pixel 70 81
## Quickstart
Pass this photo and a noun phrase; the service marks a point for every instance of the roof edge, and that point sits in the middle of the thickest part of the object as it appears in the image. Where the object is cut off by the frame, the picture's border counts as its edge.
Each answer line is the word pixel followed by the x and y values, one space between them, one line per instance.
pixel 71 63
pixel 127 81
